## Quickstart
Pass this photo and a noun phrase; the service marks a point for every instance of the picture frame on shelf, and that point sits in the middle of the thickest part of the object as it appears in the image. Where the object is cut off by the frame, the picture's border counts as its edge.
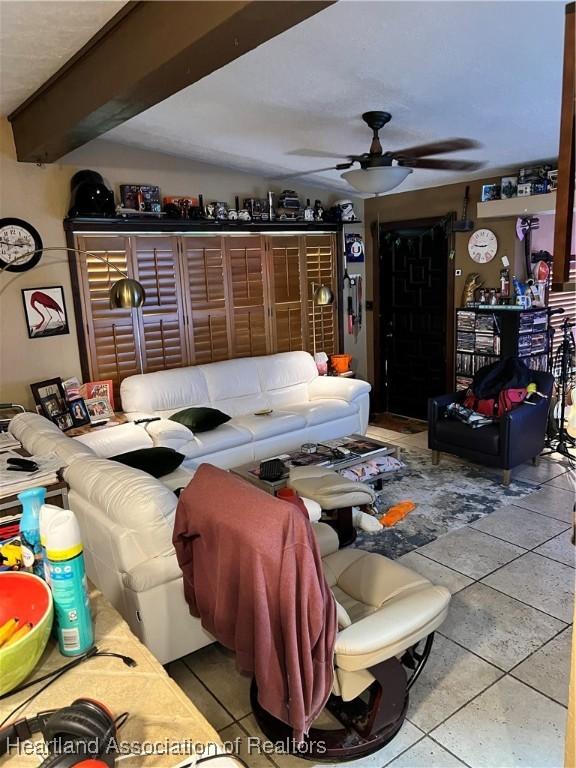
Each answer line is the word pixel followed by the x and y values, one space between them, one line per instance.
pixel 79 412
pixel 508 187
pixel 490 192
pixel 45 312
pixel 99 410
pixel 93 390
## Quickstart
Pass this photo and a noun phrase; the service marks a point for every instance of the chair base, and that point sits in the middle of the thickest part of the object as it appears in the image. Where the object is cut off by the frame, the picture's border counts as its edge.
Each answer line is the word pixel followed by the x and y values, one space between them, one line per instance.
pixel 368 725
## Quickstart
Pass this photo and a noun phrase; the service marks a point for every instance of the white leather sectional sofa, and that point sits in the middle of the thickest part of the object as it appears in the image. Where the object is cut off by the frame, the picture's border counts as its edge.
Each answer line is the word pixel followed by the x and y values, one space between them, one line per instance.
pixel 127 516
pixel 305 407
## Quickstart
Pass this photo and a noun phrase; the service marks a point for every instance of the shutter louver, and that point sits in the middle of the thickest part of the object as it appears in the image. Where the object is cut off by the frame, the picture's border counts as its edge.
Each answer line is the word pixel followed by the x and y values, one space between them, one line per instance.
pixel 245 272
pixel 565 300
pixel 111 339
pixel 321 269
pixel 204 286
pixel 162 328
pixel 285 293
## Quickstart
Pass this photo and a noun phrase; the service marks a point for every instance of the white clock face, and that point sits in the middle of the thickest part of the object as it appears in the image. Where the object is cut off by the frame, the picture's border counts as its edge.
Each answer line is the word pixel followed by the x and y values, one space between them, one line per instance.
pixel 482 246
pixel 20 245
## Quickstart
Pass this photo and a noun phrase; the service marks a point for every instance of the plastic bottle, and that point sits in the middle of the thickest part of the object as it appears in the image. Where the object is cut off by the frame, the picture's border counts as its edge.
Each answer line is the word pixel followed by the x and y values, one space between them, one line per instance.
pixel 31 500
pixel 68 582
pixel 46 513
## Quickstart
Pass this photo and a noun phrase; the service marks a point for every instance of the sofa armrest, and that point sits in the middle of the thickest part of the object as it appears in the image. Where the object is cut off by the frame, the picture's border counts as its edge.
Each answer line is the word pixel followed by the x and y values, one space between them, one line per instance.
pixel 152 573
pixel 436 407
pixel 523 432
pixel 169 434
pixel 326 387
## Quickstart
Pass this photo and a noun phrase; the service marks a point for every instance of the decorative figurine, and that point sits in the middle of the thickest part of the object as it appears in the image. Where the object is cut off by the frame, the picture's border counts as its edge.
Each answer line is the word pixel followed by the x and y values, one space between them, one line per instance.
pixel 318 211
pixel 473 282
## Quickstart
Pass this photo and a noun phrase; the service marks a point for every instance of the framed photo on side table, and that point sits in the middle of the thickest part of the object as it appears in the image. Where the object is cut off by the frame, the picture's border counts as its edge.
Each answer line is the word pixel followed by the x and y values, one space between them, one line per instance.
pixel 79 412
pixel 93 390
pixel 53 393
pixel 99 409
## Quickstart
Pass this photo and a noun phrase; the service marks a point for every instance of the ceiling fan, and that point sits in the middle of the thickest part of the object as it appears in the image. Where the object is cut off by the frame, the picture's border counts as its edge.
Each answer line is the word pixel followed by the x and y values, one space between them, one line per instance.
pixel 382 171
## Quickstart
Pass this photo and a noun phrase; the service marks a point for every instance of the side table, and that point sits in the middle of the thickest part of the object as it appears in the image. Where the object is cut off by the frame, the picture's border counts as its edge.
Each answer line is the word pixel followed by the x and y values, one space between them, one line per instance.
pixel 159 712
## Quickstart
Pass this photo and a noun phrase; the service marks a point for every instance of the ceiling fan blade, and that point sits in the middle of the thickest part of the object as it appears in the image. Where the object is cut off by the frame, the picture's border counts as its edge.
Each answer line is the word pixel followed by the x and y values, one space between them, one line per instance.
pixel 441 165
pixel 338 167
pixel 314 153
pixel 436 148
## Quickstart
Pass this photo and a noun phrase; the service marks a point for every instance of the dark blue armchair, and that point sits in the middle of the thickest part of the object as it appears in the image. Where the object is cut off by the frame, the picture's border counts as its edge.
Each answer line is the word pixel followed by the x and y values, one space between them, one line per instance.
pixel 516 438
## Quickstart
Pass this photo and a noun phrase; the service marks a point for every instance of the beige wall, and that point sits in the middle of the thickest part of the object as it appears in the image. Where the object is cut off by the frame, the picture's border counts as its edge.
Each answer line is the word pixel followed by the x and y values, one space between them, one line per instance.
pixel 40 195
pixel 438 201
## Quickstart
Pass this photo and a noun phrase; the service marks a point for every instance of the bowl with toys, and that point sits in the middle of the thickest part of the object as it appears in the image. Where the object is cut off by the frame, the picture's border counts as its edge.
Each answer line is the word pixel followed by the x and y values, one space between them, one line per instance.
pixel 26 614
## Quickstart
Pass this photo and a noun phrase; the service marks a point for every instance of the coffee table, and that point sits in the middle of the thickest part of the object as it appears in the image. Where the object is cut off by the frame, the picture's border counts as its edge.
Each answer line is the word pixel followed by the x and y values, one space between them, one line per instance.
pixel 361 449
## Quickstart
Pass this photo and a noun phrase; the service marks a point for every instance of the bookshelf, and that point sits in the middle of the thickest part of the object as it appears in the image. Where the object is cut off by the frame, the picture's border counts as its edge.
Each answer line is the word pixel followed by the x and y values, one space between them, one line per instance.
pixel 486 334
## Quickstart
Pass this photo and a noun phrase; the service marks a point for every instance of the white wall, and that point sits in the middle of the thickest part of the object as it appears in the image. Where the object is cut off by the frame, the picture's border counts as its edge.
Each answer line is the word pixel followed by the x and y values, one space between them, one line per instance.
pixel 40 195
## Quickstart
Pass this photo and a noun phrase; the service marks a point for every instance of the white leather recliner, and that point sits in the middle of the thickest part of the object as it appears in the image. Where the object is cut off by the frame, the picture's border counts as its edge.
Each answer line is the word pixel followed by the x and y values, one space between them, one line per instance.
pixel 384 612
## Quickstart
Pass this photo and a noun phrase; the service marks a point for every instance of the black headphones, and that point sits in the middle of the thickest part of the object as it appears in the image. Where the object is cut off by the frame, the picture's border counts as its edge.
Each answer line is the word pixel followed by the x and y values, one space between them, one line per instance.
pixel 82 734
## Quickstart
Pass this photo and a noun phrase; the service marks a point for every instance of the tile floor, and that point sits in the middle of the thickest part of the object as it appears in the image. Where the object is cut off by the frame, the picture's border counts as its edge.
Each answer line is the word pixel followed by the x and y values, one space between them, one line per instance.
pixel 494 692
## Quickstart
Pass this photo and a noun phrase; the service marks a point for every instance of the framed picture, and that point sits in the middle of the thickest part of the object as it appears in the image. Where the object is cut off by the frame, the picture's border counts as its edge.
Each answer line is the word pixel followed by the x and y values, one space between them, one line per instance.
pixel 71 388
pixel 46 390
pixel 51 406
pixel 45 312
pixel 64 421
pixel 93 390
pixel 509 187
pixel 99 409
pixel 79 412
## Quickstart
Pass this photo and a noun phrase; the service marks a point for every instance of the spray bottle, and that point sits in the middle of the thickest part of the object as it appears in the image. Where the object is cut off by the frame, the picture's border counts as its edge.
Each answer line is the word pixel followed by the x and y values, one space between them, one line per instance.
pixel 46 513
pixel 68 582
pixel 31 500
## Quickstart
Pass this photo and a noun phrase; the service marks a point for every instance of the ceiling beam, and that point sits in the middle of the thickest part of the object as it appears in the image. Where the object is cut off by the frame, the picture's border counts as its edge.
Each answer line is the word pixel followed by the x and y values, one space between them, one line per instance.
pixel 146 53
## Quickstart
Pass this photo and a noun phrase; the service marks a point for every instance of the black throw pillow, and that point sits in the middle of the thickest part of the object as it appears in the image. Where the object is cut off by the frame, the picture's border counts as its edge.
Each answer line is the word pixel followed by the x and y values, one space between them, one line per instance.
pixel 200 419
pixel 156 461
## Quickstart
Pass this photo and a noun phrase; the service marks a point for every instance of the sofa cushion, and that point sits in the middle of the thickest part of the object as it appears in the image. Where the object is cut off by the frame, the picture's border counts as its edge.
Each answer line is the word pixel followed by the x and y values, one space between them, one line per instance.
pixel 219 439
pixel 177 479
pixel 484 439
pixel 284 377
pixel 321 411
pixel 200 419
pixel 270 425
pixel 163 392
pixel 111 441
pixel 155 461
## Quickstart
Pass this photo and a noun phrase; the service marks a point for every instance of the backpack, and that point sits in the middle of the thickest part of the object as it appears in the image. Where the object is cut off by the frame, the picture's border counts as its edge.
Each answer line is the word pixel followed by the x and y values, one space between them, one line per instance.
pixel 499 387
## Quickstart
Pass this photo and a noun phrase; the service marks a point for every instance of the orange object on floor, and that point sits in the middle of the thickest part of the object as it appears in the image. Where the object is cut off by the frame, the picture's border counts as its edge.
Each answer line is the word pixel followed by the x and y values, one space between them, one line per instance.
pixel 397 512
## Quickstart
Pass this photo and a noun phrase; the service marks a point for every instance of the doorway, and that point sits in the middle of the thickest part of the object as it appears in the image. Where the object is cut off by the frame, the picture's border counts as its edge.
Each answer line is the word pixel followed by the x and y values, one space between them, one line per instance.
pixel 414 303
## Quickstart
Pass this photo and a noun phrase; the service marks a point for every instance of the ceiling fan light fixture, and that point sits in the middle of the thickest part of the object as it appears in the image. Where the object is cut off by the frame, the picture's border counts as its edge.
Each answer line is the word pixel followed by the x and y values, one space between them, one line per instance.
pixel 376 181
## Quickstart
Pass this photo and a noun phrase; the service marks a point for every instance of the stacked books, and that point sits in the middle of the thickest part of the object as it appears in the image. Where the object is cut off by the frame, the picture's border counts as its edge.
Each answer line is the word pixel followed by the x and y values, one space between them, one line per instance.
pixel 12 482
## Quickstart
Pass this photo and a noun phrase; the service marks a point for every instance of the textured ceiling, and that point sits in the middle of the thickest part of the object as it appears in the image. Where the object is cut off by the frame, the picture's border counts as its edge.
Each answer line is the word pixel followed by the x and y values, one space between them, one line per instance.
pixel 37 38
pixel 485 70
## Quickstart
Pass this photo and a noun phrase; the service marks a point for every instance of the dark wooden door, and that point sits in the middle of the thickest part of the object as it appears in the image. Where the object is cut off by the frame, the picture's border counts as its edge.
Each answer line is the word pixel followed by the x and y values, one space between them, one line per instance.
pixel 413 296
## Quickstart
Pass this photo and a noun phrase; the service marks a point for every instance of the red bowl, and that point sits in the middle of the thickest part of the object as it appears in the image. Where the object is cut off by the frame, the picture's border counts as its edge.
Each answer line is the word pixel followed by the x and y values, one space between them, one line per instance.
pixel 23 596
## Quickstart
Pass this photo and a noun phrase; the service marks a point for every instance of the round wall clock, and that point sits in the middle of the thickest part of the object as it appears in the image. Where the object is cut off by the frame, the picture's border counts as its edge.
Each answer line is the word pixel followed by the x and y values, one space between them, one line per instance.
pixel 482 246
pixel 18 238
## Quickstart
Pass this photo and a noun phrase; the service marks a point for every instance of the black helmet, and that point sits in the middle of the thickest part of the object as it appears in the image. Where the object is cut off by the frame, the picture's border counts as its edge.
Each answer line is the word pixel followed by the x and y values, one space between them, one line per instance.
pixel 90 195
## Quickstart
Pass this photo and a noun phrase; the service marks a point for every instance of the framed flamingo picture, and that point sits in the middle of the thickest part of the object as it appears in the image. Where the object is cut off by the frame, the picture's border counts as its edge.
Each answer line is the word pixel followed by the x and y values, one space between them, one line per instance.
pixel 45 312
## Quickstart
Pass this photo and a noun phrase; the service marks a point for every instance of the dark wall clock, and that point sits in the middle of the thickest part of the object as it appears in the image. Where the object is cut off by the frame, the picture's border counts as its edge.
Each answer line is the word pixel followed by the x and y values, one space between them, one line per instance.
pixel 17 238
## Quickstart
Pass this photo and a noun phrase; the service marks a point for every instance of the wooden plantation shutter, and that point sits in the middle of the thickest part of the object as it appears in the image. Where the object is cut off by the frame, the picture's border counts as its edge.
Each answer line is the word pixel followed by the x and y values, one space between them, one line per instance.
pixel 562 299
pixel 110 333
pixel 205 292
pixel 287 285
pixel 321 269
pixel 161 319
pixel 245 271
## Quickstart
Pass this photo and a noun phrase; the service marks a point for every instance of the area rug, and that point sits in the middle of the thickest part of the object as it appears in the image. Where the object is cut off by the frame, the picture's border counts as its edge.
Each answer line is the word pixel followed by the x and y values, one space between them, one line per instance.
pixel 447 496
pixel 402 424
